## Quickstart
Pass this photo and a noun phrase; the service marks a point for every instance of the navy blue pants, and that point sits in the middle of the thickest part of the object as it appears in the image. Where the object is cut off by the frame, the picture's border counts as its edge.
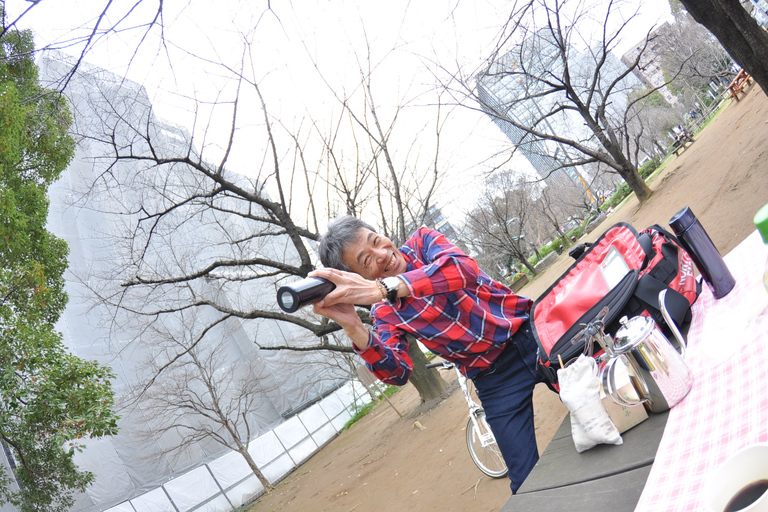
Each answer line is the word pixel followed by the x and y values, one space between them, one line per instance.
pixel 506 392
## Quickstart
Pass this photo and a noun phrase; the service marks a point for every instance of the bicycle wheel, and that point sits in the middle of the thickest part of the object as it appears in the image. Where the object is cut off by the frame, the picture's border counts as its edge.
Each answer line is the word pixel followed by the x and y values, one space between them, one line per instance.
pixel 486 455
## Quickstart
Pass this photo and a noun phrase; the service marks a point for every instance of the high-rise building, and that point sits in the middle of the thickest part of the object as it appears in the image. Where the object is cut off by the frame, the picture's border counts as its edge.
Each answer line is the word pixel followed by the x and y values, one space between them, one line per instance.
pixel 509 99
pixel 759 11
pixel 520 92
pixel 648 68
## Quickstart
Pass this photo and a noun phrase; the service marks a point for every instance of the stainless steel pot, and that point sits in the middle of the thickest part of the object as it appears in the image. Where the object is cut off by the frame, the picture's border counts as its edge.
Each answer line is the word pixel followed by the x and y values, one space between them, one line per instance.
pixel 657 371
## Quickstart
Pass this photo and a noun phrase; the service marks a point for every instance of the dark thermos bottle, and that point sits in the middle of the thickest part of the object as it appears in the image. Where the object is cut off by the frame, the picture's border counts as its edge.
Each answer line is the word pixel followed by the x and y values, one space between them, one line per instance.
pixel 296 295
pixel 694 239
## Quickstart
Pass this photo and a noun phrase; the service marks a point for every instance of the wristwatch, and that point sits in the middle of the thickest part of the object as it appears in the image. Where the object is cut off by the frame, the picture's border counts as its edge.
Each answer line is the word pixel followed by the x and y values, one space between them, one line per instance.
pixel 390 284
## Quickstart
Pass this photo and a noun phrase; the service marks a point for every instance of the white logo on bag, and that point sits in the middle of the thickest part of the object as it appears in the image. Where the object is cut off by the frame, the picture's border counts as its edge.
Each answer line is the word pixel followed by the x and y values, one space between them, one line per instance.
pixel 686 269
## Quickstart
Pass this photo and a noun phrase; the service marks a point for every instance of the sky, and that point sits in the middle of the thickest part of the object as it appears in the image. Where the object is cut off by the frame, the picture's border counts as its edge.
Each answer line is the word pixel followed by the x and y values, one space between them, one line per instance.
pixel 302 54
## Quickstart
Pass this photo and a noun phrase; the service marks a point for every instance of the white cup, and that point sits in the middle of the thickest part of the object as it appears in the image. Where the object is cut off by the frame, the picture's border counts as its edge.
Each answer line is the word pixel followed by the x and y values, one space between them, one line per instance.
pixel 745 467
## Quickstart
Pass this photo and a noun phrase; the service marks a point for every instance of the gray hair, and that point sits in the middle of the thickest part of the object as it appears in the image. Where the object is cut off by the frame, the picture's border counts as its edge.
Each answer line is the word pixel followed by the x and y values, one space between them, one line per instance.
pixel 341 232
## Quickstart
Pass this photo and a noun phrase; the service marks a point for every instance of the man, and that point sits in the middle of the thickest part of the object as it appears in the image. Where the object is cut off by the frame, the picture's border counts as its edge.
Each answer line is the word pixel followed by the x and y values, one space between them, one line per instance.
pixel 429 288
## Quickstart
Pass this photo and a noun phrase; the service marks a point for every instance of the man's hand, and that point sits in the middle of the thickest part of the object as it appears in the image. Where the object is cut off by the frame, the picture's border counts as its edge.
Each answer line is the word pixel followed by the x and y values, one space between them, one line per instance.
pixel 351 288
pixel 346 316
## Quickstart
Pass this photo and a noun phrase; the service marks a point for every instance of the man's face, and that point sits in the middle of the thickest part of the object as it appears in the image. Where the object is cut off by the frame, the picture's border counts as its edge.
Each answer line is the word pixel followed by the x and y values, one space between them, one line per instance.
pixel 372 256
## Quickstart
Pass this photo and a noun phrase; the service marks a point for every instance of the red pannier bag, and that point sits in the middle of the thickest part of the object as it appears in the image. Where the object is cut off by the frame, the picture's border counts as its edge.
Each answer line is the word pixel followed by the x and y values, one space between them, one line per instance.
pixel 622 270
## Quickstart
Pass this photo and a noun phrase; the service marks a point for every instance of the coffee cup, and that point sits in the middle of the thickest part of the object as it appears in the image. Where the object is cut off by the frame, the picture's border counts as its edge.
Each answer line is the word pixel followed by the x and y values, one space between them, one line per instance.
pixel 740 483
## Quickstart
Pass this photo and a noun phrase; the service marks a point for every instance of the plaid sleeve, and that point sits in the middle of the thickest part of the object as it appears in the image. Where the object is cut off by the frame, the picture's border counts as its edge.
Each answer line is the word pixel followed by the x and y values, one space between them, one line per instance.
pixel 447 268
pixel 387 354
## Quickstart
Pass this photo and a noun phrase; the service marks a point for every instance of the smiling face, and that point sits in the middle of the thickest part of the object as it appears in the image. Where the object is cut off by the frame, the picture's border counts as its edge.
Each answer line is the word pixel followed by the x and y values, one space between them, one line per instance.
pixel 372 256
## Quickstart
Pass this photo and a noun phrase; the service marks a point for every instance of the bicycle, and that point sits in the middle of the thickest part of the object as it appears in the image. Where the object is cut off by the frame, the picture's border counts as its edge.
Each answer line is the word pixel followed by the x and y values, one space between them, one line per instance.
pixel 481 442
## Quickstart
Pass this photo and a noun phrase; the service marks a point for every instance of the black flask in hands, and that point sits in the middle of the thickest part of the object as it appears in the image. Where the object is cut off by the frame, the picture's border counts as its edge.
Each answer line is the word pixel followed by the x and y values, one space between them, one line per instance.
pixel 296 295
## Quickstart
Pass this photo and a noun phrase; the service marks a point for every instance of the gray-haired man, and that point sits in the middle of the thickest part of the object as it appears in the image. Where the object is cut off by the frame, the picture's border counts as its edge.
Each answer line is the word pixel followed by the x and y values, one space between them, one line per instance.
pixel 429 288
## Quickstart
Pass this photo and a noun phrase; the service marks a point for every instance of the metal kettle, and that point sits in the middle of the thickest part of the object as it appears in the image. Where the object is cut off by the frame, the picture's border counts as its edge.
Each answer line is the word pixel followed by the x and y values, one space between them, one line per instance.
pixel 656 369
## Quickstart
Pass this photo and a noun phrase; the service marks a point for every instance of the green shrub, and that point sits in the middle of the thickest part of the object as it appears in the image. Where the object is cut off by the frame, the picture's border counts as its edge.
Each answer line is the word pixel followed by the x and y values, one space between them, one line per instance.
pixel 648 167
pixel 576 233
pixel 545 250
pixel 622 192
pixel 556 245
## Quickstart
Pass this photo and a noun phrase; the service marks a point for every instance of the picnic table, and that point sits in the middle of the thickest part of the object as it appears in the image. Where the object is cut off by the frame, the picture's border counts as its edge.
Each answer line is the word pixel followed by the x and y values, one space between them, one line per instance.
pixel 665 461
pixel 737 86
pixel 680 142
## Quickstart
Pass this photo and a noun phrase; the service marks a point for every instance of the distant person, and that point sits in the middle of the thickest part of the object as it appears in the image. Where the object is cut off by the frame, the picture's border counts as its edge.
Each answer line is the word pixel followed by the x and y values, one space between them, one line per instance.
pixel 429 288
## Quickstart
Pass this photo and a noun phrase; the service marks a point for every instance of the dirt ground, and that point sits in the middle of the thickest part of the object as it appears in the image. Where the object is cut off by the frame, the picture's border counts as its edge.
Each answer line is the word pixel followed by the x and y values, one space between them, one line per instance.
pixel 384 462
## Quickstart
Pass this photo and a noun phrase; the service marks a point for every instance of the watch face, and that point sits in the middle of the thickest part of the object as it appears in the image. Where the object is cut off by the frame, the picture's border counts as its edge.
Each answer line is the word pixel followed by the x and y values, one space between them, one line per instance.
pixel 392 282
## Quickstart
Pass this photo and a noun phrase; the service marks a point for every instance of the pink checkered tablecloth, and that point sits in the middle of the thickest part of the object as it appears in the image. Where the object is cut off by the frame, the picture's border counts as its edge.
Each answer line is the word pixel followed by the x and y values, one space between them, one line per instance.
pixel 727 408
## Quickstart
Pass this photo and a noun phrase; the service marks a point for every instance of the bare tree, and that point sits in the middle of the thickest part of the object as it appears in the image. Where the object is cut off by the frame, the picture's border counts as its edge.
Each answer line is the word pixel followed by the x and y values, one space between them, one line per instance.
pixel 648 123
pixel 140 18
pixel 203 395
pixel 693 56
pixel 552 96
pixel 498 224
pixel 403 192
pixel 554 206
pixel 405 182
pixel 168 195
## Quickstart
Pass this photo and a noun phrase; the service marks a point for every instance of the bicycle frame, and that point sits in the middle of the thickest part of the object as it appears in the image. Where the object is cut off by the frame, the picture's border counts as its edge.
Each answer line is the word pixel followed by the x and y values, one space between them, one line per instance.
pixel 486 437
pixel 481 443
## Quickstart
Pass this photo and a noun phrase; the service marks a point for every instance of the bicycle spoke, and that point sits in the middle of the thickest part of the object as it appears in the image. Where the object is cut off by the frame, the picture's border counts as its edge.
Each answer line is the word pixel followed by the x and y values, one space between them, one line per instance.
pixel 483 448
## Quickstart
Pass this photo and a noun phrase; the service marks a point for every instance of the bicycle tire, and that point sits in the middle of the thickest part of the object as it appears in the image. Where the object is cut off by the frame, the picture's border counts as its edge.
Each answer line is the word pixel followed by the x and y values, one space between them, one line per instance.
pixel 488 459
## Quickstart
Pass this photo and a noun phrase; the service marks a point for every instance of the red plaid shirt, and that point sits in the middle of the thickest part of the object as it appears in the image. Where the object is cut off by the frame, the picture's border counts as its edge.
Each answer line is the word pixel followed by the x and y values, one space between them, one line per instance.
pixel 455 309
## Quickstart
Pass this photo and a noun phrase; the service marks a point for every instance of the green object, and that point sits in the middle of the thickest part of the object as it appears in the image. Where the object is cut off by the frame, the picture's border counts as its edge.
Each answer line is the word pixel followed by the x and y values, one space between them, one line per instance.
pixel 51 400
pixel 761 222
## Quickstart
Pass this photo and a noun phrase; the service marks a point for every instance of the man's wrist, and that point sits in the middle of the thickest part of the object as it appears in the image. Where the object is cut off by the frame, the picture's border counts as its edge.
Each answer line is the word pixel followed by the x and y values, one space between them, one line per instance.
pixel 391 285
pixel 382 288
pixel 359 336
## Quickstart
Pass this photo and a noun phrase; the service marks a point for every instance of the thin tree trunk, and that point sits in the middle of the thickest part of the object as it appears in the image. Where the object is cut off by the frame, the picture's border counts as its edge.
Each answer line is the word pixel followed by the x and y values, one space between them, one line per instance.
pixel 527 265
pixel 427 382
pixel 242 450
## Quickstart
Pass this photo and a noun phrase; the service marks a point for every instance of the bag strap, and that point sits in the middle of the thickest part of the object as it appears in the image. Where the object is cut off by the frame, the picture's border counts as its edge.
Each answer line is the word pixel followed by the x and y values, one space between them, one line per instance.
pixel 665 233
pixel 648 289
pixel 646 242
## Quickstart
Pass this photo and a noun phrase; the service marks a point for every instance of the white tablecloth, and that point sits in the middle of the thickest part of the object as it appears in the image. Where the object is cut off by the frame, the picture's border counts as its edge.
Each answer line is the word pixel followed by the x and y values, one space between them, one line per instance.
pixel 727 408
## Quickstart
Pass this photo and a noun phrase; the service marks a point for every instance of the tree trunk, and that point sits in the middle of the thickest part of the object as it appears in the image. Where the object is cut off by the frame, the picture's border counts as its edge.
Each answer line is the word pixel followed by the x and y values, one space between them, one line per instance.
pixel 627 170
pixel 737 31
pixel 427 382
pixel 636 183
pixel 621 163
pixel 243 450
pixel 527 265
pixel 564 238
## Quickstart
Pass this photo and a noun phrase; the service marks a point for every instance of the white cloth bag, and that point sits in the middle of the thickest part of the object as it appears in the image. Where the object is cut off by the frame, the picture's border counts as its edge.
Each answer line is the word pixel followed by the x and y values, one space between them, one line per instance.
pixel 580 392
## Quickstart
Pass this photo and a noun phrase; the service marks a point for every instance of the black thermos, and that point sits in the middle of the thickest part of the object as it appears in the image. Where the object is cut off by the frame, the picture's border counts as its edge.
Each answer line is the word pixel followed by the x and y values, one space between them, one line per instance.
pixel 296 295
pixel 694 239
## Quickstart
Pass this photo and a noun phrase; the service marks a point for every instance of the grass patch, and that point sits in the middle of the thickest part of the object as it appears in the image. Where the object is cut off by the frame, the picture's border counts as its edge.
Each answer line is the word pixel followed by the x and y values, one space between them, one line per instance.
pixel 710 118
pixel 388 391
